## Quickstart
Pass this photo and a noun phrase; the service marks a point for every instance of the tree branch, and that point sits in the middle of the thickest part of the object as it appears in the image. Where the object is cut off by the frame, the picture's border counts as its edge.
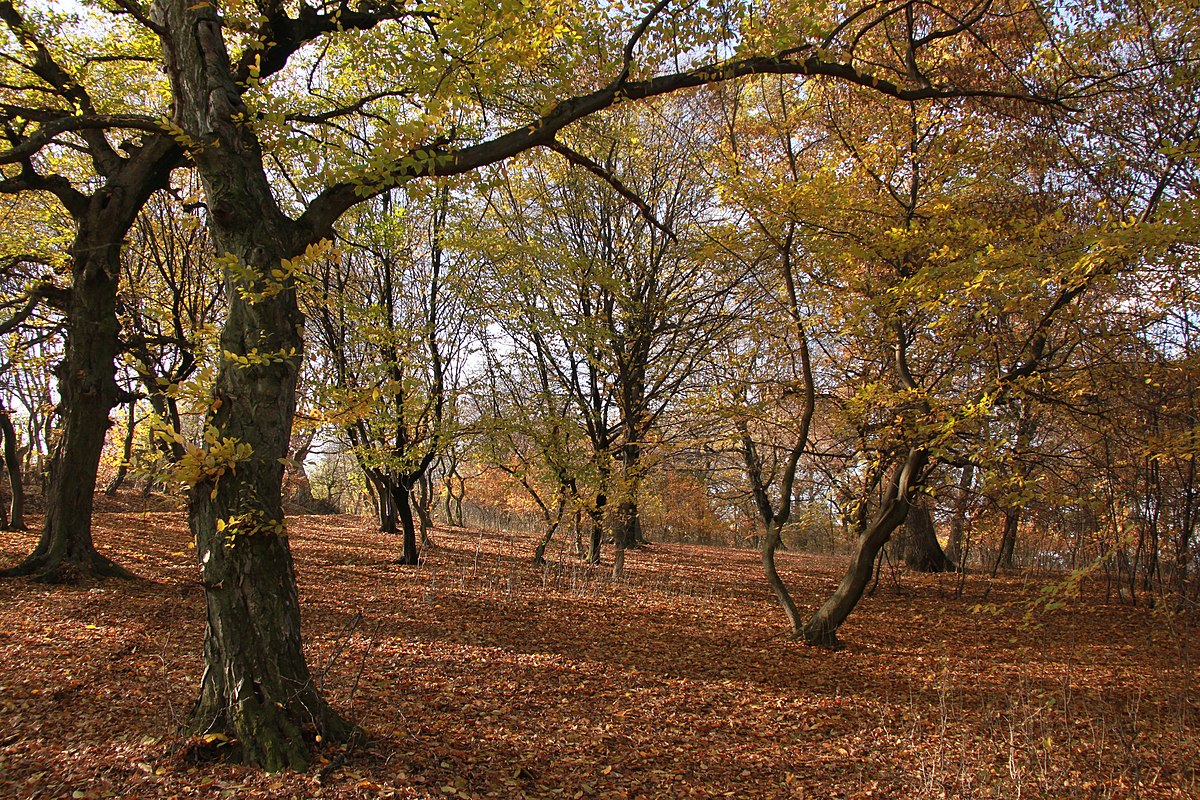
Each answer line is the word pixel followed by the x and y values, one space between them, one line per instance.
pixel 432 159
pixel 48 131
pixel 638 33
pixel 580 160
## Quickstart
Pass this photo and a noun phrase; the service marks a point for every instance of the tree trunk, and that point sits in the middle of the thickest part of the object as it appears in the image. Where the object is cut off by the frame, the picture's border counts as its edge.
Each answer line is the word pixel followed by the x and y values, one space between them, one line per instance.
pixel 770 543
pixel 597 532
pixel 539 553
pixel 821 629
pixel 88 390
pixel 1183 541
pixel 385 506
pixel 402 500
pixel 87 375
pixel 423 507
pixel 626 526
pixel 921 549
pixel 12 467
pixel 623 534
pixel 126 452
pixel 454 499
pixel 256 686
pixel 298 478
pixel 1008 540
pixel 958 516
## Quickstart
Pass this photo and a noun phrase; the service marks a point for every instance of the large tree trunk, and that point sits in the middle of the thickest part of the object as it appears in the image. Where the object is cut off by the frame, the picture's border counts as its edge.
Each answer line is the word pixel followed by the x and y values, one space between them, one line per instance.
pixel 256 686
pixel 88 390
pixel 821 629
pixel 87 376
pixel 12 468
pixel 921 550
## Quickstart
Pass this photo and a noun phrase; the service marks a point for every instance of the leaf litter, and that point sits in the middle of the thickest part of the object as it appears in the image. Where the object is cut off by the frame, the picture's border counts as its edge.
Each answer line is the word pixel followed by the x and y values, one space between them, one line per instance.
pixel 480 675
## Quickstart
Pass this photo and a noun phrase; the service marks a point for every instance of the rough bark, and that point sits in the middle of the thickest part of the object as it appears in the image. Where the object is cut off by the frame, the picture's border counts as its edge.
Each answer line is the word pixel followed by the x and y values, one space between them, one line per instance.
pixel 256 686
pixel 821 629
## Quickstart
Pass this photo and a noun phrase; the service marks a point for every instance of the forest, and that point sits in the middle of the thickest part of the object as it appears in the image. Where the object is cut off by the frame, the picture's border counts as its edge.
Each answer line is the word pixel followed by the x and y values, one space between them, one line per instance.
pixel 762 398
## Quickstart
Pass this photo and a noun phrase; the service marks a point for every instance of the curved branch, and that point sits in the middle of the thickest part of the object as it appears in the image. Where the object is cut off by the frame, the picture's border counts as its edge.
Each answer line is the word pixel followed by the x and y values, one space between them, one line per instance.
pixel 46 68
pixel 47 292
pixel 432 159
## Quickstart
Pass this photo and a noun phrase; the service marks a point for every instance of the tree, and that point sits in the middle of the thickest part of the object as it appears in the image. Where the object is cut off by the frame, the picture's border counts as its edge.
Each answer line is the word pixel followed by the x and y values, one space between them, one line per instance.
pixel 899 224
pixel 61 115
pixel 44 125
pixel 256 684
pixel 526 430
pixel 396 333
pixel 616 301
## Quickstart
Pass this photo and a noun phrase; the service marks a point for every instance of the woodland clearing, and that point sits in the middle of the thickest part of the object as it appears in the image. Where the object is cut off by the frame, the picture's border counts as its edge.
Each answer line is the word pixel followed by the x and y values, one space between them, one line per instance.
pixel 479 675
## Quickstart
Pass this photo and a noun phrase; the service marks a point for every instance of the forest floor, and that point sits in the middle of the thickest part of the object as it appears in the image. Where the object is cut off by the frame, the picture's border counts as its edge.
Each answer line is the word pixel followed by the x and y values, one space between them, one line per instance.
pixel 480 675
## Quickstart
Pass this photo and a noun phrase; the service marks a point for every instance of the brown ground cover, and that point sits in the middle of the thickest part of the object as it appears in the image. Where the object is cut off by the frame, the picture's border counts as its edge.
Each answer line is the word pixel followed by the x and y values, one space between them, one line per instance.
pixel 481 675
